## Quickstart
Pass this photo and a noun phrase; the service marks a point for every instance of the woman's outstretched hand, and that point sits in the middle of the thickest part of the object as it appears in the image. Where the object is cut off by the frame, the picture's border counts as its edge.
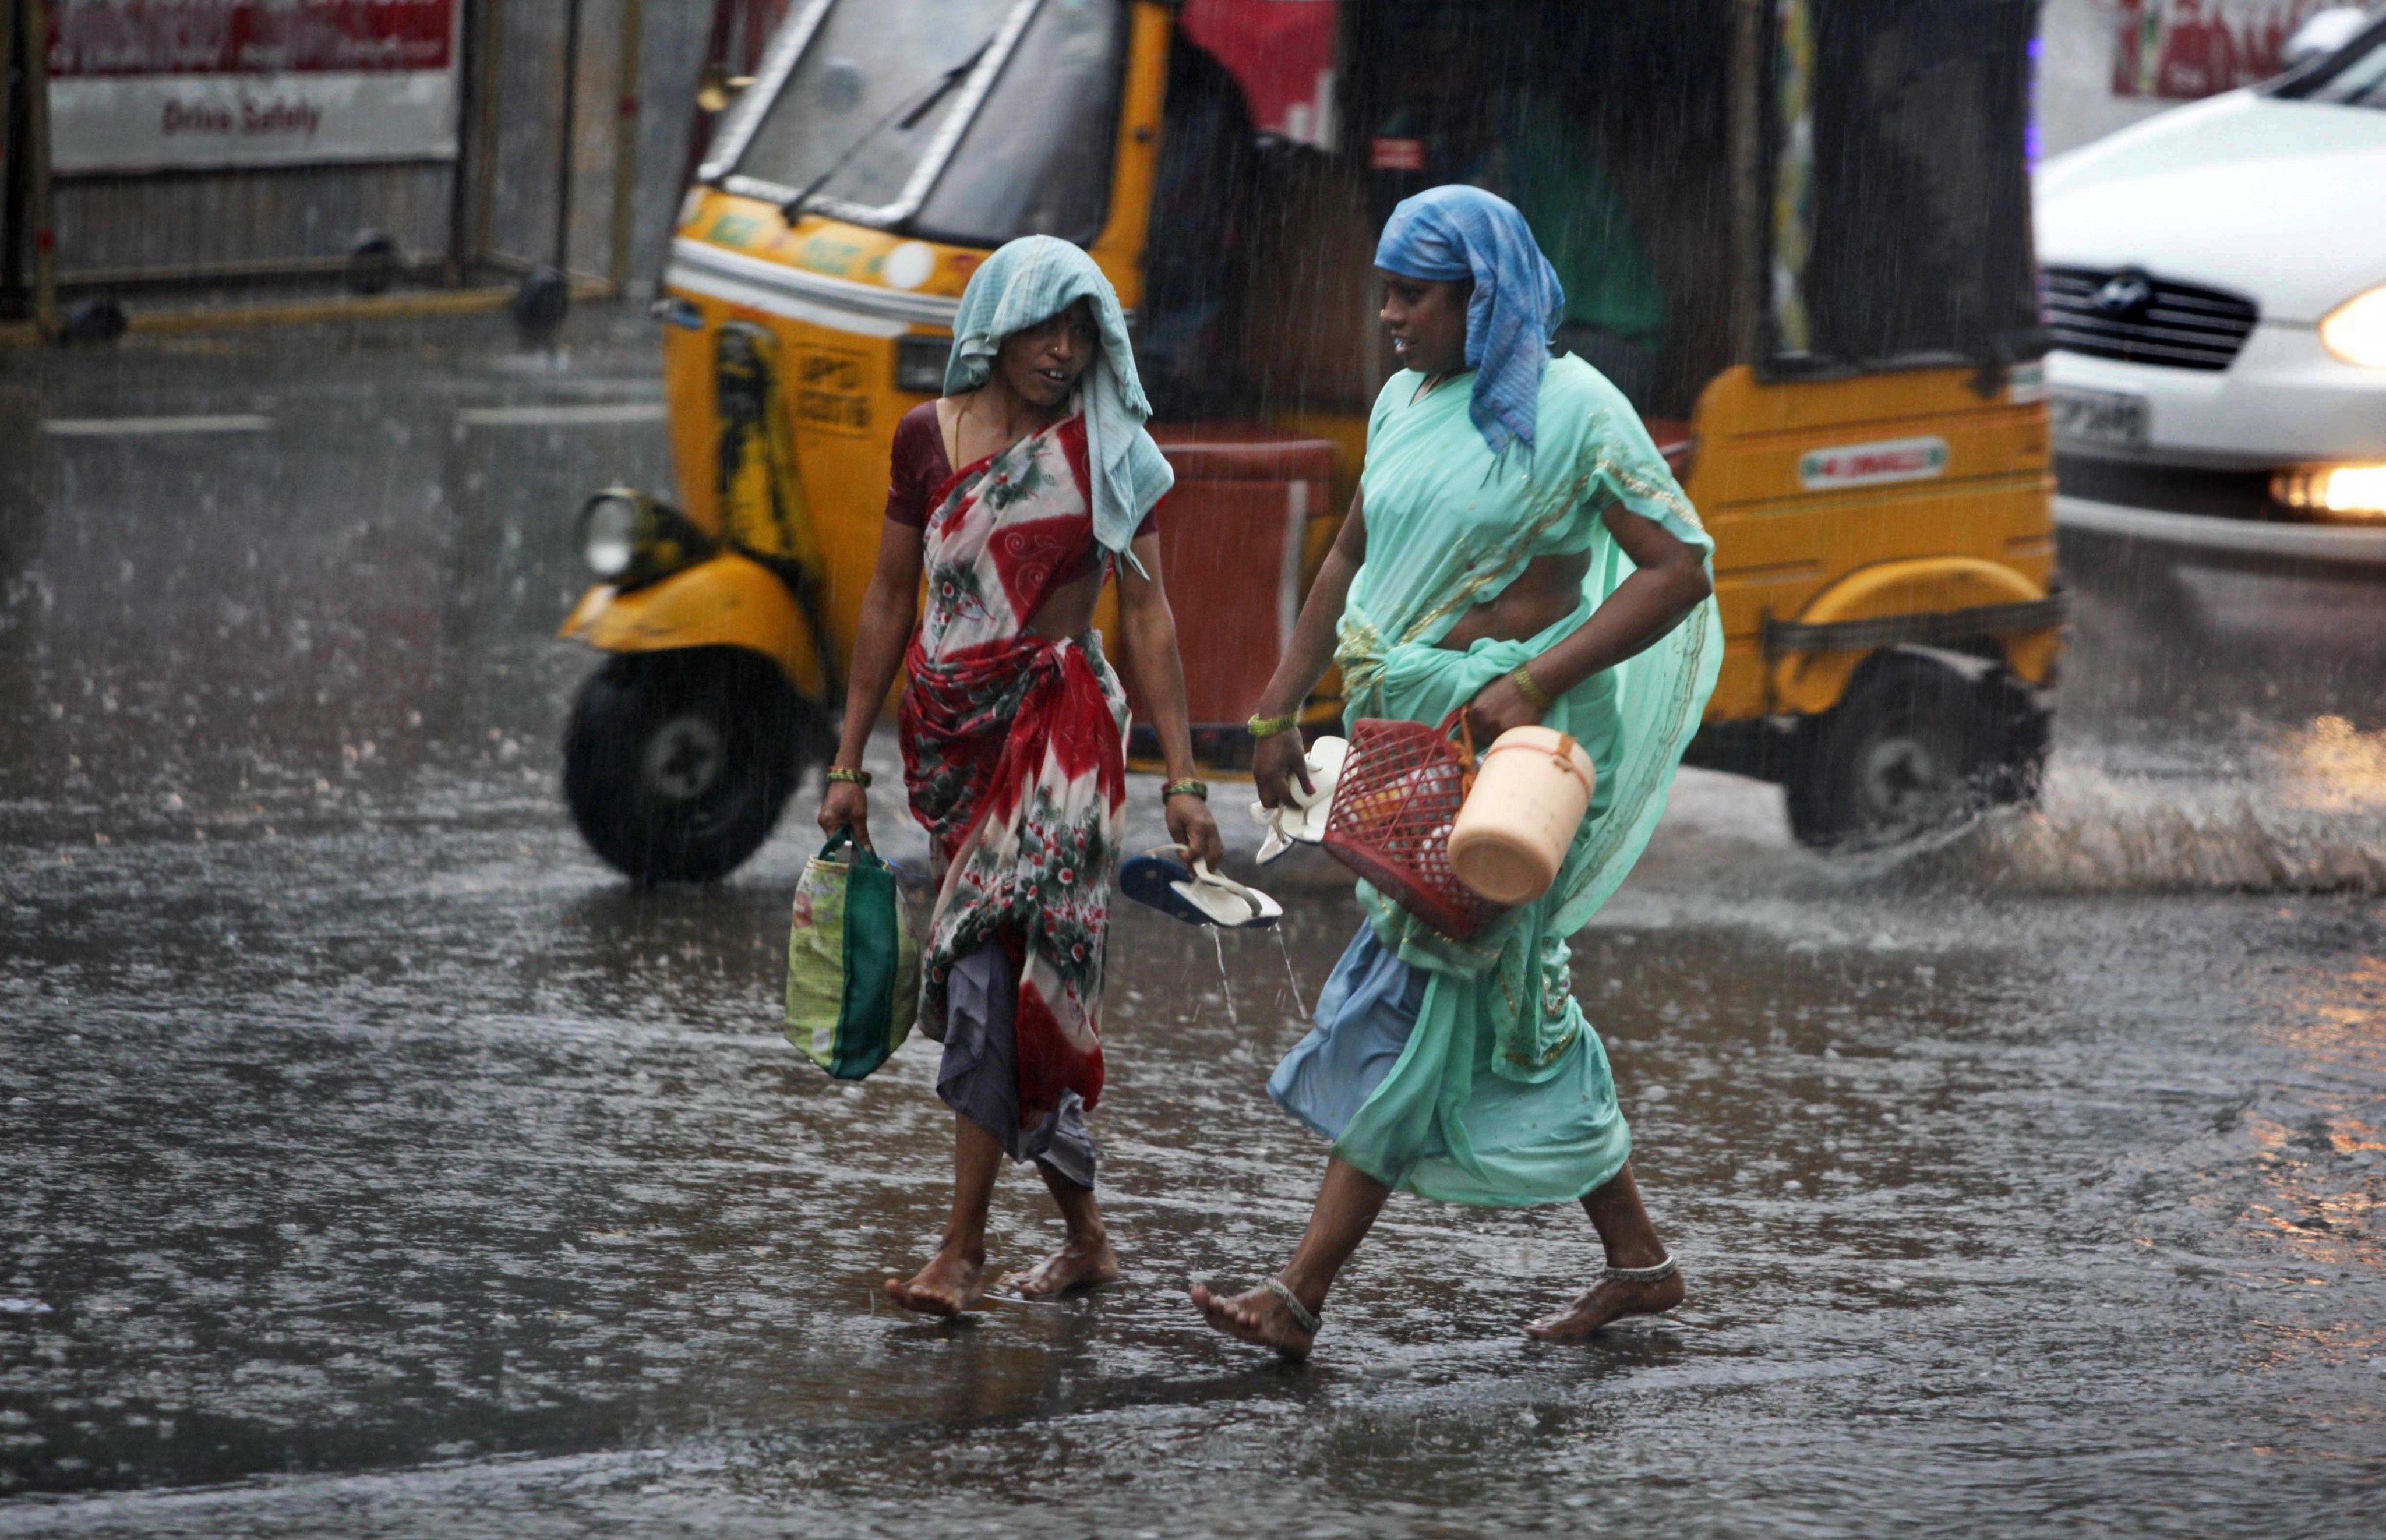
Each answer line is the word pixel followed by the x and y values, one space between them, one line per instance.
pixel 1190 825
pixel 845 804
pixel 1278 762
pixel 1498 708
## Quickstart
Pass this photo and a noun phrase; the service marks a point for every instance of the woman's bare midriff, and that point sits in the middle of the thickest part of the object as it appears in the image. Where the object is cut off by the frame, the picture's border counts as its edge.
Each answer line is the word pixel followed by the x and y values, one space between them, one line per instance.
pixel 1069 610
pixel 1544 594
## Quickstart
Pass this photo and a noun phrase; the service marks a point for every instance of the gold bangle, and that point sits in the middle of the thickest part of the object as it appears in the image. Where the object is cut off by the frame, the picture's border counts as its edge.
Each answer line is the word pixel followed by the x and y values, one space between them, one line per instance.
pixel 1530 688
pixel 853 777
pixel 1268 727
pixel 1187 787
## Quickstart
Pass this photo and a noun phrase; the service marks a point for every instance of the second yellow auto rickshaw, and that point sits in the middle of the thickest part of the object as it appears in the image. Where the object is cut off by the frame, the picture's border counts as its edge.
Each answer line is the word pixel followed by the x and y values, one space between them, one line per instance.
pixel 1796 235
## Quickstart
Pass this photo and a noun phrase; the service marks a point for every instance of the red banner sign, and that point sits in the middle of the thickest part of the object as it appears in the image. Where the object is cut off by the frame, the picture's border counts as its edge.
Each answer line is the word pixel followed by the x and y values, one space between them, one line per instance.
pixel 2183 49
pixel 139 86
pixel 247 37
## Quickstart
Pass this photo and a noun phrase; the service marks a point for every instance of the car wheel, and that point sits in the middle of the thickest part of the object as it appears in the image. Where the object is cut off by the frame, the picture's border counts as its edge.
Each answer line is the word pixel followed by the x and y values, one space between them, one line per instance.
pixel 677 765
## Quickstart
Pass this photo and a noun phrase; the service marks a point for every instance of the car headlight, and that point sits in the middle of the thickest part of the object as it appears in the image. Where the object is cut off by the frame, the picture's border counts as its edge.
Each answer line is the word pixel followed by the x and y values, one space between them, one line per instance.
pixel 2355 330
pixel 2351 492
pixel 627 538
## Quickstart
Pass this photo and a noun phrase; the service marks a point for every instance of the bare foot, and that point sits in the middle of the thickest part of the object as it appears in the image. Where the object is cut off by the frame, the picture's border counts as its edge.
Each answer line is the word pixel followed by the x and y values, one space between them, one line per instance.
pixel 1074 1266
pixel 950 1284
pixel 1607 1300
pixel 1258 1317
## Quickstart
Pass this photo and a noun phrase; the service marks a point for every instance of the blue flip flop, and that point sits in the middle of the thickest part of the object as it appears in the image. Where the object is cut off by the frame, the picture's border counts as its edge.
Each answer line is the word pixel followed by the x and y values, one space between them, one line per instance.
pixel 1195 895
pixel 1152 878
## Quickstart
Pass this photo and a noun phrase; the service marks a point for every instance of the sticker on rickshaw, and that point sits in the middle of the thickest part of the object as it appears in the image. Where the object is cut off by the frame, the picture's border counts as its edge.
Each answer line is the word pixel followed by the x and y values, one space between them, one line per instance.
pixel 733 230
pixel 1902 459
pixel 832 391
pixel 828 254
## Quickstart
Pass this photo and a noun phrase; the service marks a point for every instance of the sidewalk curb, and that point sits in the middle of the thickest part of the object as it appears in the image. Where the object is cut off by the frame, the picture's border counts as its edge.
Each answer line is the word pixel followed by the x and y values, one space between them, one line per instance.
pixel 449 302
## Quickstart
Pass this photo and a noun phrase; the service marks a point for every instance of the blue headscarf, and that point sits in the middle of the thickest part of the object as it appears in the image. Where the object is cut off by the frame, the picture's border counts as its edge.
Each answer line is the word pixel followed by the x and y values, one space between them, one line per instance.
pixel 1034 279
pixel 1448 233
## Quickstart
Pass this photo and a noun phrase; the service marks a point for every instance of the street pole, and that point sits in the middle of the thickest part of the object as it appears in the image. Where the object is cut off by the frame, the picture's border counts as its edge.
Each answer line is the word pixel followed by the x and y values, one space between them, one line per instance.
pixel 565 162
pixel 625 143
pixel 1752 200
pixel 34 34
pixel 488 28
pixel 12 152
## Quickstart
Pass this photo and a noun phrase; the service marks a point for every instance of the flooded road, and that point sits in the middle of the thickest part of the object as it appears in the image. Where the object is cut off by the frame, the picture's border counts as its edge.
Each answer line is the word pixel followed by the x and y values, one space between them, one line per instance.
pixel 373 1161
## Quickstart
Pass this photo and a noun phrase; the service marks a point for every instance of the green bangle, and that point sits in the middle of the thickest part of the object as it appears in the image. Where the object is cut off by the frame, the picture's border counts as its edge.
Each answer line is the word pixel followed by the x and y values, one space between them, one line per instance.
pixel 1187 787
pixel 853 777
pixel 1268 727
pixel 1530 688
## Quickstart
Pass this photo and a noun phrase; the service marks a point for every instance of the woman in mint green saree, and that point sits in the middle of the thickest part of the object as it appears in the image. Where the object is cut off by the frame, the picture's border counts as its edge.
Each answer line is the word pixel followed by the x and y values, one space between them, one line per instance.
pixel 1517 548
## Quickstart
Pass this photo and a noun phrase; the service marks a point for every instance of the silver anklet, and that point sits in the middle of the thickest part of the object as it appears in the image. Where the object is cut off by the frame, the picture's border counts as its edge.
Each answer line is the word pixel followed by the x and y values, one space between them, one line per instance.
pixel 1666 1268
pixel 1302 1316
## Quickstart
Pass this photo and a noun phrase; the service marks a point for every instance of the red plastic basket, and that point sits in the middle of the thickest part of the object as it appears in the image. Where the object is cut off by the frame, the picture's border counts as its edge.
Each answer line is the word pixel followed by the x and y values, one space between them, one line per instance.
pixel 1401 785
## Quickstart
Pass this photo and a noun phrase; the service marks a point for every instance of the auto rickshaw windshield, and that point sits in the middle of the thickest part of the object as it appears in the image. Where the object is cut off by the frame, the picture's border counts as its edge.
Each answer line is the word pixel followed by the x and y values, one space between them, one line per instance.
pixel 881 120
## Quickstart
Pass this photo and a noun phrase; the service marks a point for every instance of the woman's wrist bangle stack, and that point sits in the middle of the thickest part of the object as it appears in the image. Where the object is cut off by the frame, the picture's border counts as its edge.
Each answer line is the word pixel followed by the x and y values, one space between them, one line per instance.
pixel 1530 688
pixel 1187 787
pixel 1268 727
pixel 852 777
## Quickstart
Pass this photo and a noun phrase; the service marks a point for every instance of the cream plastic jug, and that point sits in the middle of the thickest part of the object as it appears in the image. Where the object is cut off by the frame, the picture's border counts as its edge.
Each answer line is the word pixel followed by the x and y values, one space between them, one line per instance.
pixel 1531 791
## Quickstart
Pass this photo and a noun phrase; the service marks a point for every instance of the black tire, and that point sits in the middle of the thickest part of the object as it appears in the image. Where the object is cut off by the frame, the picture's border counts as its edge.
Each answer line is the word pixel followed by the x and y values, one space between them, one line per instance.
pixel 1914 747
pixel 677 765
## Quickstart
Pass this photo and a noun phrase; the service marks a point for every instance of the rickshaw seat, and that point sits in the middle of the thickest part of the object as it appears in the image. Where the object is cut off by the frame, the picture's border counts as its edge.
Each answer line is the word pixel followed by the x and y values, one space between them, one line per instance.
pixel 1232 536
pixel 1671 435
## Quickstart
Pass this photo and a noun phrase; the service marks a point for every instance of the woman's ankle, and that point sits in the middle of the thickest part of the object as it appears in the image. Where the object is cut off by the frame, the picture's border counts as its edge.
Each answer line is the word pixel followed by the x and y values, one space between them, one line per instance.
pixel 1310 1288
pixel 1636 1252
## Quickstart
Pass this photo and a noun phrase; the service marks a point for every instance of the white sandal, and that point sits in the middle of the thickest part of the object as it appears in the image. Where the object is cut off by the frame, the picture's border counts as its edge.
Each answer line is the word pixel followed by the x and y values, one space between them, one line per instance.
pixel 1302 820
pixel 1228 904
pixel 1195 893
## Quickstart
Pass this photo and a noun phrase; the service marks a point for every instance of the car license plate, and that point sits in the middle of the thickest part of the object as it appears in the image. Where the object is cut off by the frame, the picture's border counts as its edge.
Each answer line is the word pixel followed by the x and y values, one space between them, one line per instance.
pixel 2099 417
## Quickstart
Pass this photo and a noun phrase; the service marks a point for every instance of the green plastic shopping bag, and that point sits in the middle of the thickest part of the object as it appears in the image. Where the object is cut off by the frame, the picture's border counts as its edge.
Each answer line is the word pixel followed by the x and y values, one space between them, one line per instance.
pixel 853 974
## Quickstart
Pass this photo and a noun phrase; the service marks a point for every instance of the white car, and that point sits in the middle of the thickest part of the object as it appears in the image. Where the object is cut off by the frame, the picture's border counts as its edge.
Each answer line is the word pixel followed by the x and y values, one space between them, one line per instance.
pixel 2215 283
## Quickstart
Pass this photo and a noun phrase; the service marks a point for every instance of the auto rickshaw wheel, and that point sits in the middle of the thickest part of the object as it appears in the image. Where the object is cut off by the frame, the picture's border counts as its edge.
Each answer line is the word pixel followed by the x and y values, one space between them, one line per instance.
pixel 677 765
pixel 1915 746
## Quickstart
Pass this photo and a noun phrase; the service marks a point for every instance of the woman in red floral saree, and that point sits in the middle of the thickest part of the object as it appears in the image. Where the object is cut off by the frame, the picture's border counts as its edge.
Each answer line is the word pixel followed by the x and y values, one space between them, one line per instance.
pixel 1014 727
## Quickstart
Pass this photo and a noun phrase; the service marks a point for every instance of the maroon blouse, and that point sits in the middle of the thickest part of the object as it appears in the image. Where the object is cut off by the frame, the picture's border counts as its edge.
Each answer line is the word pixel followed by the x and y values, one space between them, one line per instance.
pixel 919 467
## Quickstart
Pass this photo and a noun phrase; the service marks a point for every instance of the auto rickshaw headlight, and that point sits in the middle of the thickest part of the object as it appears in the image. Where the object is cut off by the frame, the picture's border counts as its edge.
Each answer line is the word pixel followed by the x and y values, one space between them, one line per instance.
pixel 2345 492
pixel 610 526
pixel 919 364
pixel 2355 330
pixel 627 538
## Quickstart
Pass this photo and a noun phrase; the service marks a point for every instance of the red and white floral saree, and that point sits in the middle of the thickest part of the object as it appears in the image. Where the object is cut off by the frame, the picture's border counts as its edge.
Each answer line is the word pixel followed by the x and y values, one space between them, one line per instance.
pixel 1015 754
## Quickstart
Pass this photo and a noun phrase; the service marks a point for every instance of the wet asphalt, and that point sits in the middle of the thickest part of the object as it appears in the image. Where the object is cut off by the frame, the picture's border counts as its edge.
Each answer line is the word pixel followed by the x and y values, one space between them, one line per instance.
pixel 373 1161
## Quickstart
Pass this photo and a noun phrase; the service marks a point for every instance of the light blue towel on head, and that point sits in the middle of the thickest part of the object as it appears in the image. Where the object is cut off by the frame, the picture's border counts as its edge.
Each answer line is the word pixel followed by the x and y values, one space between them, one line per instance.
pixel 1448 233
pixel 1031 280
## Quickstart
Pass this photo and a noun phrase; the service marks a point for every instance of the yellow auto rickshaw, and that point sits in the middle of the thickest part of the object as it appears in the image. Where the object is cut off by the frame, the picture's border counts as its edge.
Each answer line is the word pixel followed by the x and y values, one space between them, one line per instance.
pixel 1796 235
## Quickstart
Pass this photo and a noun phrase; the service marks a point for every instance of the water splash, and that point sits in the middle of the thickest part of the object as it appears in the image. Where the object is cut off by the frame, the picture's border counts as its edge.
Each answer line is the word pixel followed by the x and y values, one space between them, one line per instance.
pixel 1291 979
pixel 1225 984
pixel 2302 811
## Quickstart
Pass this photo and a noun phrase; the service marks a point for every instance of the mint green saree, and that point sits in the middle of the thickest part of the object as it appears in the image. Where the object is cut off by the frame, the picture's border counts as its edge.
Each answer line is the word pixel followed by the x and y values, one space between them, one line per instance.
pixel 1499 1093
